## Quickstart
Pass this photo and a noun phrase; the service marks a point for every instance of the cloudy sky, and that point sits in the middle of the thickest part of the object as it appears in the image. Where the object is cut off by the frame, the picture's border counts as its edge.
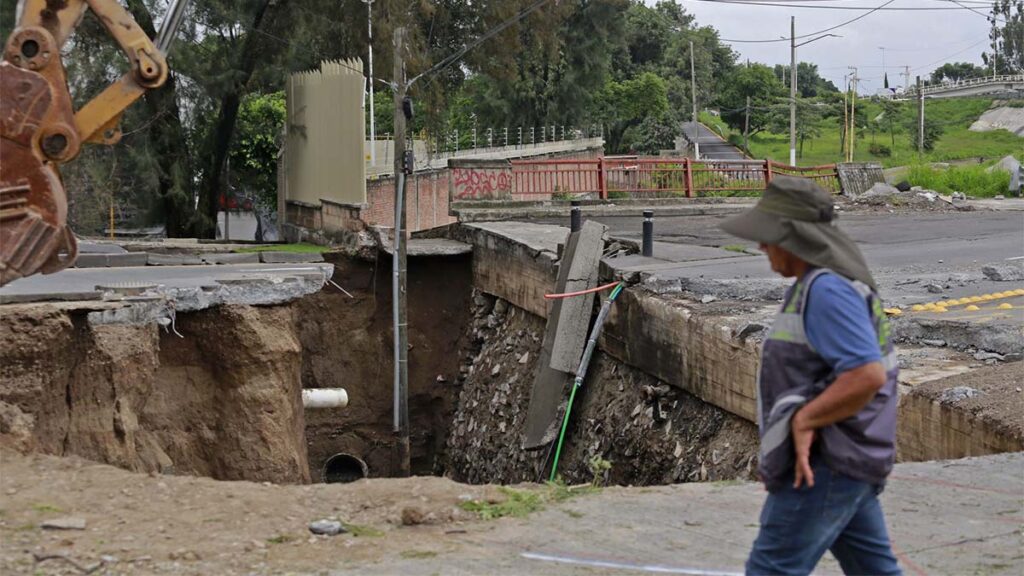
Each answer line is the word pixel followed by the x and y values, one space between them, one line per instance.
pixel 920 39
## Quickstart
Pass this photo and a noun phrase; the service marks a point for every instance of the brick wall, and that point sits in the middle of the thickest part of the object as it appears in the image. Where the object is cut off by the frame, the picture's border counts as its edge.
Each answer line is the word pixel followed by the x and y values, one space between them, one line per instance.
pixel 426 202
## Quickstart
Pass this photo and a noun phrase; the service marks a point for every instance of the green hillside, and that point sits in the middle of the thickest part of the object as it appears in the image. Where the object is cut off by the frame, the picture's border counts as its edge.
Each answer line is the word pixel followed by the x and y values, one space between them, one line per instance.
pixel 956 142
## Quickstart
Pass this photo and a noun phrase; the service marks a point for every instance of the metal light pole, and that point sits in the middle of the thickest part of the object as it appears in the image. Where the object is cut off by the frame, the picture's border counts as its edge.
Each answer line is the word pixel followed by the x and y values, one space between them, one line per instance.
pixel 693 94
pixel 885 77
pixel 369 83
pixel 792 83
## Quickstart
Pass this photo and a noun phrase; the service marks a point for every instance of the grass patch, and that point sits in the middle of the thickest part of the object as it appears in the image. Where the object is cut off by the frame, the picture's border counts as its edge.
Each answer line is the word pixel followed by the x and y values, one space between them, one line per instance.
pixel 45 508
pixel 971 180
pixel 519 503
pixel 362 531
pixel 25 528
pixel 735 248
pixel 300 248
pixel 573 514
pixel 715 123
pixel 957 142
pixel 414 554
pixel 282 539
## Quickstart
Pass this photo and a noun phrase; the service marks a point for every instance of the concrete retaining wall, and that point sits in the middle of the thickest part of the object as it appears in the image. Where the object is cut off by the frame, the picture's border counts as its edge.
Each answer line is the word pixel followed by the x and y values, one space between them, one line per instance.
pixel 695 347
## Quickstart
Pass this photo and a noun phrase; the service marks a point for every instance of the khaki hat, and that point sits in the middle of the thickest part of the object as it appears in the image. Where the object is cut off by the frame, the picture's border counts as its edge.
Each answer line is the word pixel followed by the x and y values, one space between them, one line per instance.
pixel 798 215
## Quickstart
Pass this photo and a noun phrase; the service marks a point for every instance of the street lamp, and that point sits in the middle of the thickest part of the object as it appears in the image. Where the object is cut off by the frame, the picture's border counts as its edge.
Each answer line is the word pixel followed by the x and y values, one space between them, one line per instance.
pixel 369 81
pixel 885 77
pixel 792 83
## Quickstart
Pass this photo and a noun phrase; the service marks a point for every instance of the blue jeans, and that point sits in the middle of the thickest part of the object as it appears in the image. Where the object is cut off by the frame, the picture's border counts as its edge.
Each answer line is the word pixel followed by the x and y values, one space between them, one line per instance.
pixel 839 514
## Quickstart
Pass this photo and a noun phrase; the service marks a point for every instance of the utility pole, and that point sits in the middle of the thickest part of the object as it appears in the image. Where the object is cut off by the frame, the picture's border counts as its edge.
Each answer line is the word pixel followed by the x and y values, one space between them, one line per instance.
pixel 846 115
pixel 906 78
pixel 746 126
pixel 995 49
pixel 920 118
pixel 398 282
pixel 792 90
pixel 369 82
pixel 853 115
pixel 693 94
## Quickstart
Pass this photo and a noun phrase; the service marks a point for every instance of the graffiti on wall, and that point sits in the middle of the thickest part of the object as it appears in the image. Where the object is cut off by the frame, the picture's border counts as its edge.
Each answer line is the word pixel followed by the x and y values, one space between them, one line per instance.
pixel 481 183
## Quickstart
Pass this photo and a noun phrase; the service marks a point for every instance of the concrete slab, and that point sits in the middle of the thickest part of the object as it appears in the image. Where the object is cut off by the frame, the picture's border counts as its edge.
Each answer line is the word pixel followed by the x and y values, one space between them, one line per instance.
pixel 231 258
pixel 539 237
pixel 574 319
pixel 276 257
pixel 50 297
pixel 111 260
pixel 425 247
pixel 174 260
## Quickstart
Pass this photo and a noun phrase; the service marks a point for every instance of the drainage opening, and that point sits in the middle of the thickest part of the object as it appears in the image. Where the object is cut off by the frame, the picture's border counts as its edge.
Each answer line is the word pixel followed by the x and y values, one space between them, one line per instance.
pixel 343 468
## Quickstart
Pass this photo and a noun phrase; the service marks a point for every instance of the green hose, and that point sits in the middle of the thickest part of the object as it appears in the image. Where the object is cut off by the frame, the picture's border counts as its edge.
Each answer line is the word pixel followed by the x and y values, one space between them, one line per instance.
pixel 581 372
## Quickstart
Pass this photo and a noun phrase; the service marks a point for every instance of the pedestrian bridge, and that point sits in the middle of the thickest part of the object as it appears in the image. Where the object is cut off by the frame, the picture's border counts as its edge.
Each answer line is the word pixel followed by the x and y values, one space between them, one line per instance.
pixel 1007 83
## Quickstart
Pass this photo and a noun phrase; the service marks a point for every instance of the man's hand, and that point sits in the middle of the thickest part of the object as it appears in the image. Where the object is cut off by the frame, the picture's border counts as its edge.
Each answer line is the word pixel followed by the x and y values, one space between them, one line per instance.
pixel 803 437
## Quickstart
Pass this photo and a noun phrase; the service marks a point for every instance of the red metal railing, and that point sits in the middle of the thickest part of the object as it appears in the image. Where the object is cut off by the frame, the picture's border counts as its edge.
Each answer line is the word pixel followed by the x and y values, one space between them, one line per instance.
pixel 612 177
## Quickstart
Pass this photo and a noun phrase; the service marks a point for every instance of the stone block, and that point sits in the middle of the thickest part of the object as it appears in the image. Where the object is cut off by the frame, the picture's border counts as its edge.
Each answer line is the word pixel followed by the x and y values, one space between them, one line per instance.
pixel 129 259
pixel 91 261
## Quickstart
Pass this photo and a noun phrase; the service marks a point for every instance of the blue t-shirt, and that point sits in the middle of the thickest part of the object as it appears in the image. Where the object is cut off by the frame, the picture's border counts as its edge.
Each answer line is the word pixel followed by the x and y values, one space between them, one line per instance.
pixel 838 324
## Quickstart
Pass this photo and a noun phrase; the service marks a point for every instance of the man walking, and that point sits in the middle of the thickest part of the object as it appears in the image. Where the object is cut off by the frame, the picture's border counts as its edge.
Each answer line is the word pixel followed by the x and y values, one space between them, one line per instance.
pixel 826 392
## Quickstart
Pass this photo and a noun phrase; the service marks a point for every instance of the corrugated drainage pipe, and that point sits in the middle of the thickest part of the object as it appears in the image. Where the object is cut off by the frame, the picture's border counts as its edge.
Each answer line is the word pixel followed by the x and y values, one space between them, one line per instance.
pixel 342 468
pixel 324 398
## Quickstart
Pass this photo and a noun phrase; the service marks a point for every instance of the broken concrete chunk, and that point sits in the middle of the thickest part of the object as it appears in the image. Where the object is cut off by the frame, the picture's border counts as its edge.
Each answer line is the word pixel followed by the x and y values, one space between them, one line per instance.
pixel 707 299
pixel 326 527
pixel 958 393
pixel 982 356
pixel 934 288
pixel 1004 273
pixel 65 523
pixel 524 358
pixel 496 370
pixel 935 343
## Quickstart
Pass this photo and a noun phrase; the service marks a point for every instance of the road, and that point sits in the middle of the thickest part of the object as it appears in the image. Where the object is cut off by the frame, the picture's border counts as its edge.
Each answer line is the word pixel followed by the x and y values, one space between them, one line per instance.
pixel 711 146
pixel 79 280
pixel 931 247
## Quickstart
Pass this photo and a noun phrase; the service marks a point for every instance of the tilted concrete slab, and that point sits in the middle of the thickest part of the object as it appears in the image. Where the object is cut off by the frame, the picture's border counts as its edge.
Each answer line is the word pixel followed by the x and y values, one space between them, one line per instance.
pixel 110 260
pixel 574 319
pixel 425 247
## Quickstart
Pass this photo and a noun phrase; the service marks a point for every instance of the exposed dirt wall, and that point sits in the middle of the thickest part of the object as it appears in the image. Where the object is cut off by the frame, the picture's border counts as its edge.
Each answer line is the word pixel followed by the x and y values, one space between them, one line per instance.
pixel 650 432
pixel 347 343
pixel 224 401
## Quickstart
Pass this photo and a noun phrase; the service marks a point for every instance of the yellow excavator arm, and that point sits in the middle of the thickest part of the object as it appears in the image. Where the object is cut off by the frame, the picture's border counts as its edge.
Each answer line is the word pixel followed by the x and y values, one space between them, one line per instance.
pixel 39 129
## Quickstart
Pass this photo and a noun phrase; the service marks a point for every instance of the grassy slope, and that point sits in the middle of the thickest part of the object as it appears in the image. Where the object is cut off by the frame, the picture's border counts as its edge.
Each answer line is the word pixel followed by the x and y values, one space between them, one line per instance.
pixel 956 142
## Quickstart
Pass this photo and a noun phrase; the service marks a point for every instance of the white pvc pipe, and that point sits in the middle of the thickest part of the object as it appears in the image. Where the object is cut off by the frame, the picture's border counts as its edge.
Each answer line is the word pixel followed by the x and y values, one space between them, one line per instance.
pixel 324 398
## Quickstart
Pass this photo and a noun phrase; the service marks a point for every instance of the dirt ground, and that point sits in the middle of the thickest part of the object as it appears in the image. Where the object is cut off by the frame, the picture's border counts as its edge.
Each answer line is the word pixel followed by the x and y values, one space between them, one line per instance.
pixel 141 524
pixel 956 518
pixel 998 398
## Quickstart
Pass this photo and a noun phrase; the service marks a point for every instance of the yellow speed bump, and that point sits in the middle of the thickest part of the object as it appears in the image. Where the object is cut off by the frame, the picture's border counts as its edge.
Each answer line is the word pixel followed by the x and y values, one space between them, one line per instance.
pixel 972 308
pixel 974 299
pixel 946 303
pixel 1018 292
pixel 940 309
pixel 987 297
pixel 1005 306
pixel 893 311
pixel 917 308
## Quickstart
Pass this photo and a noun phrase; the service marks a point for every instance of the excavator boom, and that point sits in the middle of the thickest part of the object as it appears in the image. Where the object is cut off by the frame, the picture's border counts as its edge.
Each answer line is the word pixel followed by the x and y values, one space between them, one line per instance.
pixel 40 130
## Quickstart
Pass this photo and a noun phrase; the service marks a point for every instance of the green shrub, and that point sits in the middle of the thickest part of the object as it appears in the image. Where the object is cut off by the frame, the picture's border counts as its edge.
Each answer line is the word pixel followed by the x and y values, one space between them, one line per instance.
pixel 880 150
pixel 971 180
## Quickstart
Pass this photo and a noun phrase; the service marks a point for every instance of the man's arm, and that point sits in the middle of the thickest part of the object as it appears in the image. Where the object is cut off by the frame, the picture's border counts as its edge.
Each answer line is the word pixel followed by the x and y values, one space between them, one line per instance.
pixel 848 395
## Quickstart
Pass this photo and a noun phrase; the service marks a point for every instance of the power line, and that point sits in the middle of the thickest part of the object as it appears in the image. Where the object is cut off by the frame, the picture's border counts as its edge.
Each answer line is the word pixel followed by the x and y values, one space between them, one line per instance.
pixel 782 4
pixel 836 27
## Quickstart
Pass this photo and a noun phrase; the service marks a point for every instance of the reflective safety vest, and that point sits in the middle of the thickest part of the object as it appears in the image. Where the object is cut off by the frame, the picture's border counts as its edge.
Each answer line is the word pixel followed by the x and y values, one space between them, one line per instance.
pixel 792 373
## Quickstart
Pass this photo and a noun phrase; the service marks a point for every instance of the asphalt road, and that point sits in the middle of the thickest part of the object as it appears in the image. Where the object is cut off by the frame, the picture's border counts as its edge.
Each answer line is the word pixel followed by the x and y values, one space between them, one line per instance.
pixel 711 146
pixel 77 280
pixel 929 247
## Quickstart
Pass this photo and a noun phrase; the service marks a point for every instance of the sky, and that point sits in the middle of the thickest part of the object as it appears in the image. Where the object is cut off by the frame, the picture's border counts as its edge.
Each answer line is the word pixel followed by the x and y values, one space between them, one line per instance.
pixel 920 39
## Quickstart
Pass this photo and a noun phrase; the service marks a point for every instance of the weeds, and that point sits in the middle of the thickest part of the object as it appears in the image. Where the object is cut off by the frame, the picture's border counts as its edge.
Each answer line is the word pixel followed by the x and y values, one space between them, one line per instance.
pixel 44 508
pixel 300 248
pixel 519 503
pixel 362 531
pixel 971 180
pixel 735 248
pixel 282 539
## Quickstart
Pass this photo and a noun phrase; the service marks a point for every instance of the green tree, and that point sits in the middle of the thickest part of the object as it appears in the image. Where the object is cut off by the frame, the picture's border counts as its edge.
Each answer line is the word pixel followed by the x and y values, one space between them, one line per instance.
pixel 932 132
pixel 255 146
pixel 758 82
pixel 621 106
pixel 956 71
pixel 1007 37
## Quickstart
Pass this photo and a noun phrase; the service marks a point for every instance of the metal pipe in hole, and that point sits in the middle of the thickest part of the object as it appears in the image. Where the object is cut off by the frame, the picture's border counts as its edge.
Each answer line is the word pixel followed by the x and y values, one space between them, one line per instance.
pixel 648 245
pixel 575 216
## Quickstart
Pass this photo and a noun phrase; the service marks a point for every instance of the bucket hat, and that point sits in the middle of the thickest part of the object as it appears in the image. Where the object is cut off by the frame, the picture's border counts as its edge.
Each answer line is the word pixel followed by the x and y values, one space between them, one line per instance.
pixel 798 215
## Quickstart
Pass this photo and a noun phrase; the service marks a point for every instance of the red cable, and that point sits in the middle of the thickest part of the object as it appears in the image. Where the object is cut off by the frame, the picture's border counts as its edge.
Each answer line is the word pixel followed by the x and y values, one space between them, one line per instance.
pixel 582 292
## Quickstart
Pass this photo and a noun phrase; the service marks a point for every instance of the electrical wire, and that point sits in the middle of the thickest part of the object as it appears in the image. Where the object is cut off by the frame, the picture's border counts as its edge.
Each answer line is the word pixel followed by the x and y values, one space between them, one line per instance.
pixel 836 27
pixel 782 4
